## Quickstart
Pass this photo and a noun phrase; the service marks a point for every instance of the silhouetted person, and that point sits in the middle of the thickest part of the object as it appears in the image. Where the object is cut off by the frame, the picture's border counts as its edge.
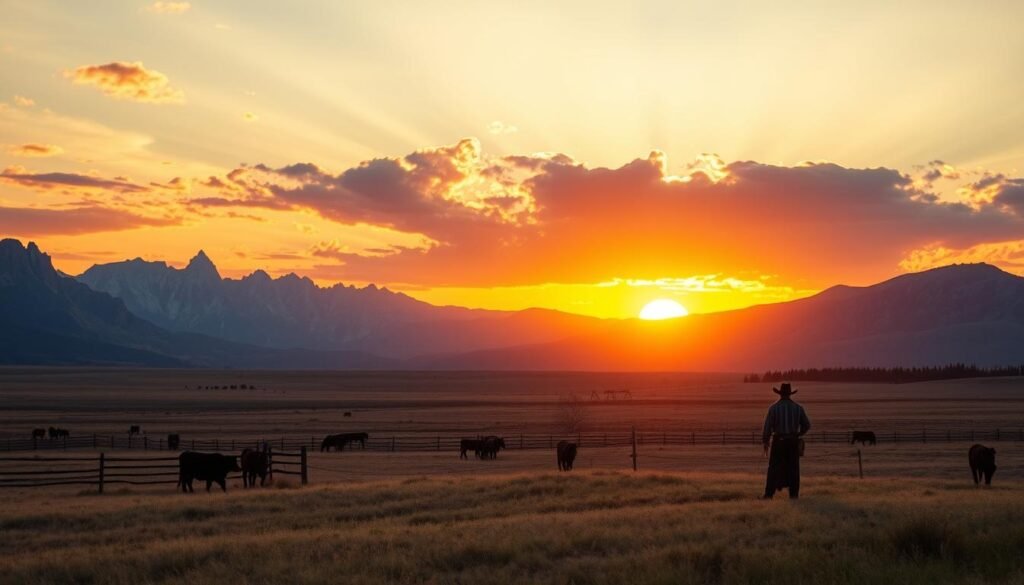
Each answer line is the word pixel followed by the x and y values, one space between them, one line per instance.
pixel 785 423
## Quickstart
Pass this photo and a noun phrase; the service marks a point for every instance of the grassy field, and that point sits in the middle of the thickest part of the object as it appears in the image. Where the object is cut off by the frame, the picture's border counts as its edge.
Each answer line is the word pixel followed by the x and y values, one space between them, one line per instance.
pixel 583 527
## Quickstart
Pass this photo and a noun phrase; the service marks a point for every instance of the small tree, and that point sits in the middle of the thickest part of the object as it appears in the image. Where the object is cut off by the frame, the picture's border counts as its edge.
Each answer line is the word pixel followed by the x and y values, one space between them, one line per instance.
pixel 572 414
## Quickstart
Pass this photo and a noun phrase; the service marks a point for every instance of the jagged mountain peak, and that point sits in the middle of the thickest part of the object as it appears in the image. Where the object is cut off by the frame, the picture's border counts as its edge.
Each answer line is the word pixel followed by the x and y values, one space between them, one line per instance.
pixel 202 266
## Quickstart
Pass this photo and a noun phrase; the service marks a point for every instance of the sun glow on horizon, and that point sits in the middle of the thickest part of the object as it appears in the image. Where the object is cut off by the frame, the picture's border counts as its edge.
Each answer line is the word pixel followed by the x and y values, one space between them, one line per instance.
pixel 662 309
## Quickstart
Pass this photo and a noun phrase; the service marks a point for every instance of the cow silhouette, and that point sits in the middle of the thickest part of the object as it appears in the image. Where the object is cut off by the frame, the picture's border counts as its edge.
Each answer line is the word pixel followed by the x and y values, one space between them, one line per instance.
pixel 863 437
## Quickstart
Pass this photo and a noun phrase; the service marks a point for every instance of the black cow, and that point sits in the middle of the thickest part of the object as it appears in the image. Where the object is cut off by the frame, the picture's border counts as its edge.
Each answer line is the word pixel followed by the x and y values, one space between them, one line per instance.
pixel 347 414
pixel 254 463
pixel 38 434
pixel 982 460
pixel 466 445
pixel 134 430
pixel 863 437
pixel 338 442
pixel 59 433
pixel 566 453
pixel 208 467
pixel 173 440
pixel 53 432
pixel 489 447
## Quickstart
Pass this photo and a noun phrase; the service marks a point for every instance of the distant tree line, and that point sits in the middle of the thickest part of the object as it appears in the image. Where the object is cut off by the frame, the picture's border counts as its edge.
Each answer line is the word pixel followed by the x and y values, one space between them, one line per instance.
pixel 890 375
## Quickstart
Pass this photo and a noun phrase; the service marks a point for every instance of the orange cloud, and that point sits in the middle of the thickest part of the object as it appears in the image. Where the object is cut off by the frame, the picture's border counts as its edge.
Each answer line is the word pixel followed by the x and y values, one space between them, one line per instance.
pixel 80 220
pixel 522 220
pixel 129 81
pixel 36 150
pixel 49 181
pixel 24 101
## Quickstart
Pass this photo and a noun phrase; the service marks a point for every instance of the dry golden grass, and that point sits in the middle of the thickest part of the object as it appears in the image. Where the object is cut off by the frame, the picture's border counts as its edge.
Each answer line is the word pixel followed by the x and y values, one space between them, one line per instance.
pixel 583 527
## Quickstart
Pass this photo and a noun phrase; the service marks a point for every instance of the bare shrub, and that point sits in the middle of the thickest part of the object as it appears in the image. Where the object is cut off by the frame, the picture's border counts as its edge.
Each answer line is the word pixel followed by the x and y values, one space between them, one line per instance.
pixel 572 415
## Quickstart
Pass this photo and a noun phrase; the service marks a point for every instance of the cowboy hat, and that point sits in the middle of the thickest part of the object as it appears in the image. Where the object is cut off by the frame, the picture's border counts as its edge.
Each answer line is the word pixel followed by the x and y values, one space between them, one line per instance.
pixel 784 390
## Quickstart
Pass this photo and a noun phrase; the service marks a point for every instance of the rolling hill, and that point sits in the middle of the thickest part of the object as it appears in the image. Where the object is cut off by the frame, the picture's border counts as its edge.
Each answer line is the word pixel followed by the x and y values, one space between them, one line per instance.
pixel 971 313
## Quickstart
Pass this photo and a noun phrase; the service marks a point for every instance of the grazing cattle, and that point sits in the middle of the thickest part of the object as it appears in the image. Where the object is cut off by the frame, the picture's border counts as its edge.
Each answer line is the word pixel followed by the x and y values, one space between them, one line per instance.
pixel 208 467
pixel 863 437
pixel 347 414
pixel 59 433
pixel 38 434
pixel 566 453
pixel 466 445
pixel 338 442
pixel 134 430
pixel 53 432
pixel 254 463
pixel 173 440
pixel 982 460
pixel 489 447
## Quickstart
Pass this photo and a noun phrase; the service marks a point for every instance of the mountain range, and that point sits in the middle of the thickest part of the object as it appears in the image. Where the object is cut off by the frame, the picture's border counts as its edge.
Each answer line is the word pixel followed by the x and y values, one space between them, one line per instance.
pixel 148 313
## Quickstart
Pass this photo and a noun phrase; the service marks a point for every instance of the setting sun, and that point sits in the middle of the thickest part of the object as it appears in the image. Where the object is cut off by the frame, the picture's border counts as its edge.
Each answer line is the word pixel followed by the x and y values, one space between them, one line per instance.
pixel 663 309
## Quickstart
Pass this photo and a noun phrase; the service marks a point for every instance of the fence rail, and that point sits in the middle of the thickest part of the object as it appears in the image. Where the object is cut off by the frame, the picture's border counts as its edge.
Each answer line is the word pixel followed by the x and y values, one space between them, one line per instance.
pixel 104 470
pixel 450 442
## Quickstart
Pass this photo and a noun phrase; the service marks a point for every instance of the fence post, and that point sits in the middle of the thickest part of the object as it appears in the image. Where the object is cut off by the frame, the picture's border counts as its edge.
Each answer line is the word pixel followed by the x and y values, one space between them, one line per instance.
pixel 302 461
pixel 282 443
pixel 33 443
pixel 232 444
pixel 520 441
pixel 392 444
pixel 924 435
pixel 633 429
pixel 65 442
pixel 997 434
pixel 270 463
pixel 94 440
pixel 101 474
pixel 860 465
pixel 439 442
pixel 216 444
pixel 193 444
pixel 145 443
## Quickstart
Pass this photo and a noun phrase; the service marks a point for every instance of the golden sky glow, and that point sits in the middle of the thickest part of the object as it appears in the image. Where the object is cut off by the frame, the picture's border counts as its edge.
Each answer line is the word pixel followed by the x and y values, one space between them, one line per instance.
pixel 584 157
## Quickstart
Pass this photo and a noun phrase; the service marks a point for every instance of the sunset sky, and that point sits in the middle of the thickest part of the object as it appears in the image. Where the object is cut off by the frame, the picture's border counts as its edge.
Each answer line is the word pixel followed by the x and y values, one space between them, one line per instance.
pixel 509 155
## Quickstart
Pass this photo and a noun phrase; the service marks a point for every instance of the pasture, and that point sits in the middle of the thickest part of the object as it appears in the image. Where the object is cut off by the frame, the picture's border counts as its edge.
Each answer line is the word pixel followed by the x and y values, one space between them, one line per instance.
pixel 580 527
pixel 444 406
pixel 690 515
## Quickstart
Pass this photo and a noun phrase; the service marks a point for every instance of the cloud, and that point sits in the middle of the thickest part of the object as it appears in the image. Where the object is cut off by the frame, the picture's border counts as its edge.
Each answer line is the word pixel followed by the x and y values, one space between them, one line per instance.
pixel 24 102
pixel 50 181
pixel 128 81
pixel 498 128
pixel 1008 255
pixel 22 221
pixel 529 219
pixel 35 150
pixel 169 7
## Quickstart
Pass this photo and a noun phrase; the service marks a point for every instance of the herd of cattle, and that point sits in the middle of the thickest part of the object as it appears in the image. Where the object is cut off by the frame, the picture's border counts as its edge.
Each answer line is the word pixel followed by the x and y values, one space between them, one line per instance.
pixel 54 433
pixel 255 463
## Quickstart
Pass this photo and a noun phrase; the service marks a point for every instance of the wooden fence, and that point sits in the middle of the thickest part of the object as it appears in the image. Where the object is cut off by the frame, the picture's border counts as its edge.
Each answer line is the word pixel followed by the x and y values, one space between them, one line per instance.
pixel 104 470
pixel 423 441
